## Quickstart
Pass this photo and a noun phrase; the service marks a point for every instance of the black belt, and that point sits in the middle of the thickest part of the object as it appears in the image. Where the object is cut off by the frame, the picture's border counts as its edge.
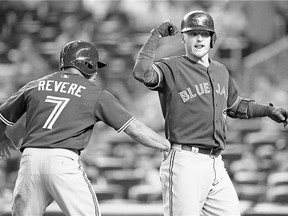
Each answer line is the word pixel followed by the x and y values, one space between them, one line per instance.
pixel 213 152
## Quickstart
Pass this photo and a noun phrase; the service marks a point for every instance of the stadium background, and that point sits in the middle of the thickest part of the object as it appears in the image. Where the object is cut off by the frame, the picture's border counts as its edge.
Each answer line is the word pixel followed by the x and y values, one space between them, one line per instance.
pixel 252 43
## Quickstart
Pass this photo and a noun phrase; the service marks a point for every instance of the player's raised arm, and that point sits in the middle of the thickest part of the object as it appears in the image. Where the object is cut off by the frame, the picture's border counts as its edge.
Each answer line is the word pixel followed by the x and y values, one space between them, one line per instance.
pixel 6 144
pixel 142 70
pixel 146 136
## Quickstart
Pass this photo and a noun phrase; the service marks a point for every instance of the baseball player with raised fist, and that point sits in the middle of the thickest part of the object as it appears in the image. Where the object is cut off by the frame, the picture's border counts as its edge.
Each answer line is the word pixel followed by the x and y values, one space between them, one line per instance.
pixel 61 110
pixel 196 95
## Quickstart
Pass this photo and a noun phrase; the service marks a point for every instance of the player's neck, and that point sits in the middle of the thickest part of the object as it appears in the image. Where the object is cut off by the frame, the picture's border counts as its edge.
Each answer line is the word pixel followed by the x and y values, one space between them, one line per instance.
pixel 203 60
pixel 72 70
pixel 91 78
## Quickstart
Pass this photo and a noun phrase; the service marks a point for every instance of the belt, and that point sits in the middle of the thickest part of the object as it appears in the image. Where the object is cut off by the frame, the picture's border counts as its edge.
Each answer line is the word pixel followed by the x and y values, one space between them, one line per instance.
pixel 213 152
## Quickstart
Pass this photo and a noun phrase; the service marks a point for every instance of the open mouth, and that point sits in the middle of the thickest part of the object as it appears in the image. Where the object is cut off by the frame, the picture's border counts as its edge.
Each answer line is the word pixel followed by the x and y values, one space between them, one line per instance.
pixel 199 46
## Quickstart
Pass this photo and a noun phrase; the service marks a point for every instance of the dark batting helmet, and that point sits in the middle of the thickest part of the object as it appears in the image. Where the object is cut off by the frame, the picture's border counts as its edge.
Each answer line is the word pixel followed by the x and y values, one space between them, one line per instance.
pixel 199 20
pixel 81 55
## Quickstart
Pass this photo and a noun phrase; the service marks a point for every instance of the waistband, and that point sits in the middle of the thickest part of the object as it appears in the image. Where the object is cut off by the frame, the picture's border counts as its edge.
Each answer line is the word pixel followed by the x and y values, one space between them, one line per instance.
pixel 212 152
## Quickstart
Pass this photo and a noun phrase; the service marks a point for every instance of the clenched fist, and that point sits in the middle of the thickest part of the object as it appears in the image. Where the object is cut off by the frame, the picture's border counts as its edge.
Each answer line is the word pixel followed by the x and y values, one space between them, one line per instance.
pixel 167 28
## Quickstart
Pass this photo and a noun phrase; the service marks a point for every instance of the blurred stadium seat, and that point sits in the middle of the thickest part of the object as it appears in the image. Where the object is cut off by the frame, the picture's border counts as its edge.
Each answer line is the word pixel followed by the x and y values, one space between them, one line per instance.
pixel 108 192
pixel 250 177
pixel 267 209
pixel 251 192
pixel 125 178
pixel 277 178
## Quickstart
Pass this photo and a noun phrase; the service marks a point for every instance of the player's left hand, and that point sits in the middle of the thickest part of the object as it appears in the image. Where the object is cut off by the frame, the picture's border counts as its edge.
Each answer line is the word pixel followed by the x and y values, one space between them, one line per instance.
pixel 6 146
pixel 279 115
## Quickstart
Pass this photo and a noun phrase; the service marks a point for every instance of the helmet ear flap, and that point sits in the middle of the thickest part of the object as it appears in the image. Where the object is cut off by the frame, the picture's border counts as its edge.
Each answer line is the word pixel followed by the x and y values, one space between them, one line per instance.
pixel 213 39
pixel 87 67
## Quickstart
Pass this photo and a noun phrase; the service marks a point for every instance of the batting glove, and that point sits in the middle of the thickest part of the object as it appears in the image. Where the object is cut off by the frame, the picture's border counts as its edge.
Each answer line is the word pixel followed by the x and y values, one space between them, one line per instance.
pixel 167 28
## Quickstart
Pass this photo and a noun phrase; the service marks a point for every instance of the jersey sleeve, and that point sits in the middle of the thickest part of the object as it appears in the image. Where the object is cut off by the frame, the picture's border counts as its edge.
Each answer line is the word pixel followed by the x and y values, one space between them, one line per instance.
pixel 166 67
pixel 233 97
pixel 109 110
pixel 14 107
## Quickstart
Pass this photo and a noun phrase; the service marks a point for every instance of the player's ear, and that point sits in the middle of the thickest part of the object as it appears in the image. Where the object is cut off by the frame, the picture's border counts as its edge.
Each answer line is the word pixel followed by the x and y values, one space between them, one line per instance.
pixel 182 38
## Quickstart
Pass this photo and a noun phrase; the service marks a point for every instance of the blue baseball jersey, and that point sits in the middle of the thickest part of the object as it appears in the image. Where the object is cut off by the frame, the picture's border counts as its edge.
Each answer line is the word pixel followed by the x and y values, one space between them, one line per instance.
pixel 61 110
pixel 194 100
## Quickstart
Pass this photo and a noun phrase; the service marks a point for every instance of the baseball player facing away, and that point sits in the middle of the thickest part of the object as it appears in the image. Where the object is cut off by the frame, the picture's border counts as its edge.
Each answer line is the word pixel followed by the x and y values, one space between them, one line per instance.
pixel 61 110
pixel 196 95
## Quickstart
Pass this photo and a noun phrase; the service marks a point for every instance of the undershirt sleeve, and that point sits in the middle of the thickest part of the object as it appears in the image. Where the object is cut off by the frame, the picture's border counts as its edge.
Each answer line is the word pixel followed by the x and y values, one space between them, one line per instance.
pixel 153 78
pixel 109 110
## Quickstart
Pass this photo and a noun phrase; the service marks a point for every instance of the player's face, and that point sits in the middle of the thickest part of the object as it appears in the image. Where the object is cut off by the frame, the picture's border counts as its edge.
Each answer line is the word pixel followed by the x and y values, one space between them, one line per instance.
pixel 197 43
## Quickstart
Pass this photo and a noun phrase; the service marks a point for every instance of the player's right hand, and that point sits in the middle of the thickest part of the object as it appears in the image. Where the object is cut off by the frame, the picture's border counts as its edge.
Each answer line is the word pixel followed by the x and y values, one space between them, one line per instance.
pixel 167 28
pixel 6 145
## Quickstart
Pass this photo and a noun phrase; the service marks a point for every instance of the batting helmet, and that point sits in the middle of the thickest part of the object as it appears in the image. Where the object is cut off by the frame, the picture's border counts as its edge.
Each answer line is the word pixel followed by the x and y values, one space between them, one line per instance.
pixel 199 20
pixel 81 55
